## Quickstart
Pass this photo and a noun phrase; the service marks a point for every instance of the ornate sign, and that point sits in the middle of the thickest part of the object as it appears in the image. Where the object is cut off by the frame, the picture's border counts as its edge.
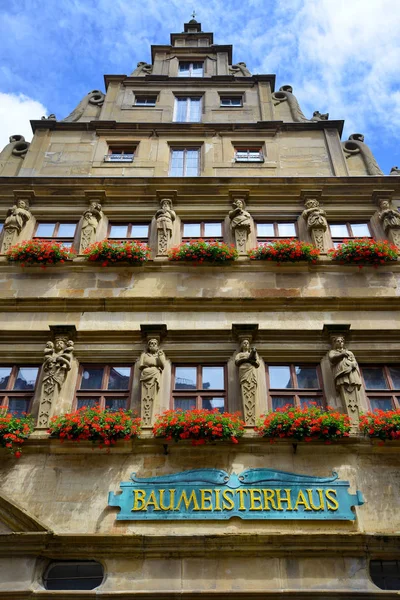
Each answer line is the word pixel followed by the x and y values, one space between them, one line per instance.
pixel 254 494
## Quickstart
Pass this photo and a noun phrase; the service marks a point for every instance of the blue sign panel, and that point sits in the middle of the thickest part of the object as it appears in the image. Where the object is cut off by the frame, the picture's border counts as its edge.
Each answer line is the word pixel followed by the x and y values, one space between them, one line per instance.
pixel 254 494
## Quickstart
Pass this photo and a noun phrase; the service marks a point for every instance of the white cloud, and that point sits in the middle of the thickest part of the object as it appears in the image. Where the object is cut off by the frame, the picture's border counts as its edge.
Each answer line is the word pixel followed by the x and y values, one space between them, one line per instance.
pixel 15 114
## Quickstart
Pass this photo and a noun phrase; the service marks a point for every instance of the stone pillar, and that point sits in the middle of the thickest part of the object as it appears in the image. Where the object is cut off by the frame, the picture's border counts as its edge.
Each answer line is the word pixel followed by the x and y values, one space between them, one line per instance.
pixel 89 224
pixel 315 218
pixel 151 366
pixel 18 217
pixel 165 219
pixel 241 222
pixel 247 361
pixel 388 216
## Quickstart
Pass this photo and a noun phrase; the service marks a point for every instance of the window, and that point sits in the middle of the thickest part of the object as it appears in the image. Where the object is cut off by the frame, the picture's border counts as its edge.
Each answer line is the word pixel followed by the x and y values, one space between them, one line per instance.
pixel 342 231
pixel 125 231
pixel 202 230
pixel 190 69
pixel 188 110
pixel 382 384
pixel 185 162
pixel 106 385
pixel 231 101
pixel 120 154
pixel 200 386
pixel 60 232
pixel 145 100
pixel 253 154
pixel 385 574
pixel 17 387
pixel 294 384
pixel 73 575
pixel 1 227
pixel 267 232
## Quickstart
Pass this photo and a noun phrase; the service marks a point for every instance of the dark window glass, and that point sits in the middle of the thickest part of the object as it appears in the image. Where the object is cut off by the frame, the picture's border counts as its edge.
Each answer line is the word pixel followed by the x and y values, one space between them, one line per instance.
pixel 302 382
pixel 395 375
pixel 374 378
pixel 119 378
pixel 5 373
pixel 74 575
pixel 385 574
pixel 382 384
pixel 203 380
pixel 17 386
pixel 307 377
pixel 108 386
pixel 18 406
pixel 92 378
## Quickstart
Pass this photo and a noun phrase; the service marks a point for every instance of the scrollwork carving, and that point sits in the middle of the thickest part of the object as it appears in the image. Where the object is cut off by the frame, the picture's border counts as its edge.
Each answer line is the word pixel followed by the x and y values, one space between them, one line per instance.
pixel 142 69
pixel 355 145
pixel 95 97
pixel 239 69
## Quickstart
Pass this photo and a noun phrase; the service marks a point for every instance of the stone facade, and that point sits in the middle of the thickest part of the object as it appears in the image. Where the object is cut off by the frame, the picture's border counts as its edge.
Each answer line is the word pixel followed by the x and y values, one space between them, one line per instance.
pixel 245 316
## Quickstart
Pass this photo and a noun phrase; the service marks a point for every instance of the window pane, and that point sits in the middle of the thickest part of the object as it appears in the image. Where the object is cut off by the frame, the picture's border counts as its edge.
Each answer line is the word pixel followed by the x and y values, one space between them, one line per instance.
pixel 191 230
pixel 310 400
pixel 385 574
pixel 286 230
pixel 74 576
pixel 88 402
pixel 380 402
pixel 281 401
pixel 119 378
pixel 194 110
pixel 17 406
pixel 192 163
pixel 213 378
pixel 307 377
pixel 92 378
pixel 280 378
pixel 374 378
pixel 225 101
pixel 185 378
pixel 114 404
pixel 66 230
pixel 26 378
pixel 265 230
pixel 177 163
pixel 140 231
pixel 119 231
pixel 395 375
pixel 185 403
pixel 212 229
pixel 5 373
pixel 212 403
pixel 360 230
pixel 183 69
pixel 197 70
pixel 339 231
pixel 45 230
pixel 181 109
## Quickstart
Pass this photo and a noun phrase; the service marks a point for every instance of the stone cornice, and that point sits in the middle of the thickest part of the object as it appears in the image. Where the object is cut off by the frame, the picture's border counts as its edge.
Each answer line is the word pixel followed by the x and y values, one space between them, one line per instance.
pixel 314 594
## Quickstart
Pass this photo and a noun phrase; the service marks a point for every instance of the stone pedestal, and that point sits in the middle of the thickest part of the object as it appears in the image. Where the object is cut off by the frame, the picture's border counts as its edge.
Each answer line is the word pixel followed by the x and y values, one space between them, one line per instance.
pixel 241 234
pixel 350 396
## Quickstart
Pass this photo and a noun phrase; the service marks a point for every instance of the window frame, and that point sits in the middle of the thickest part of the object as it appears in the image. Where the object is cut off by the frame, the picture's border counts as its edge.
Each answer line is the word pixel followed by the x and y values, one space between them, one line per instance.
pixel 249 149
pixel 199 393
pixel 20 394
pixel 55 563
pixel 146 104
pixel 339 240
pixel 103 392
pixel 295 392
pixel 191 63
pixel 231 97
pixel 202 235
pixel 263 239
pixel 129 231
pixel 389 392
pixel 56 229
pixel 188 100
pixel 185 150
pixel 128 150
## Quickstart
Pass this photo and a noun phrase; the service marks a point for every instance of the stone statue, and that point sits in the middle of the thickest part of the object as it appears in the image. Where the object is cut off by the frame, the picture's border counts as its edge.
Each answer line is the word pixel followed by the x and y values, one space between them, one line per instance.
pixel 90 221
pixel 51 117
pixel 285 94
pixel 152 363
pixel 394 171
pixel 17 218
pixel 390 219
pixel 355 145
pixel 239 69
pixel 316 221
pixel 142 69
pixel 240 224
pixel 165 217
pixel 57 362
pixel 95 97
pixel 247 360
pixel 347 378
pixel 317 116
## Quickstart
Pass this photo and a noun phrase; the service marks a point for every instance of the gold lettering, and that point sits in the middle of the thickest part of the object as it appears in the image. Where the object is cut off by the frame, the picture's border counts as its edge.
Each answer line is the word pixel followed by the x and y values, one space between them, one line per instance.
pixel 332 503
pixel 301 499
pixel 269 497
pixel 241 498
pixel 171 500
pixel 321 499
pixel 151 501
pixel 217 499
pixel 254 498
pixel 188 501
pixel 204 499
pixel 288 499
pixel 229 503
pixel 139 500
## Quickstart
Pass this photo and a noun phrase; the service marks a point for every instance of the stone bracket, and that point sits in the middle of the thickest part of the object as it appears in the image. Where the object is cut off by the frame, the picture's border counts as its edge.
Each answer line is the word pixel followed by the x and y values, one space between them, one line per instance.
pixel 149 331
pixel 310 195
pixel 378 195
pixel 245 331
pixel 332 329
pixel 27 195
pixel 95 196
pixel 66 330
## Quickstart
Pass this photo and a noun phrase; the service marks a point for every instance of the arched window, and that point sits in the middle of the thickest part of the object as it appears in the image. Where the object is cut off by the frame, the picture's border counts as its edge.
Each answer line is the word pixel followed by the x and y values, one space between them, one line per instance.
pixel 385 574
pixel 73 575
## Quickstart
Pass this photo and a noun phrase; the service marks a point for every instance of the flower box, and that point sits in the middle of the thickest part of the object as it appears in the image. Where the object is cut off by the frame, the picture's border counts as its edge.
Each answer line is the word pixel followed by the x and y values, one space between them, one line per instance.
pixel 201 251
pixel 281 251
pixel 384 425
pixel 39 252
pixel 14 430
pixel 199 426
pixel 304 424
pixel 364 251
pixel 110 252
pixel 95 425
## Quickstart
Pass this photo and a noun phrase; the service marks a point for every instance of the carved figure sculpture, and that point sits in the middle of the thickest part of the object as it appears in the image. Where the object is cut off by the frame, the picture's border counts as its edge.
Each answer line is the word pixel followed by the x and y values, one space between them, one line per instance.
pixel 394 171
pixel 390 219
pixel 315 218
pixel 57 363
pixel 51 117
pixel 165 217
pixel 317 116
pixel 152 363
pixel 347 378
pixel 247 360
pixel 355 145
pixel 239 69
pixel 17 217
pixel 285 94
pixel 90 222
pixel 95 97
pixel 240 224
pixel 142 69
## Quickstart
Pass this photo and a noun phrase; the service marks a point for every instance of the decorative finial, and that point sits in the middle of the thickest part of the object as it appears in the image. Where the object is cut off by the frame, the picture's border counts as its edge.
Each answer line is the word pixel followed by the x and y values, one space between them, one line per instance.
pixel 194 14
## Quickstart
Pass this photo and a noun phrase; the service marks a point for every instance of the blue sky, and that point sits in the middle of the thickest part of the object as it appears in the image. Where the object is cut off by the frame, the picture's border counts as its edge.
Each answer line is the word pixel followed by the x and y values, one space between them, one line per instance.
pixel 340 56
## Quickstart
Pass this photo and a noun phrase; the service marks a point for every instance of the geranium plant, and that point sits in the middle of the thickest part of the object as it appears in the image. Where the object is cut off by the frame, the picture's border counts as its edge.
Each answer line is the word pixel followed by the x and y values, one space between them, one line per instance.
pixel 39 252
pixel 305 423
pixel 96 425
pixel 110 251
pixel 199 425
pixel 14 430
pixel 290 250
pixel 384 425
pixel 364 251
pixel 203 251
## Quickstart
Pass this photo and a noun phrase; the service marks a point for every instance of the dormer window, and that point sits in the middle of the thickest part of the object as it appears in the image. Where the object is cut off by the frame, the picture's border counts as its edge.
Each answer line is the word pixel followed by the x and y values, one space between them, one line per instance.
pixel 145 100
pixel 120 154
pixel 249 154
pixel 231 101
pixel 191 69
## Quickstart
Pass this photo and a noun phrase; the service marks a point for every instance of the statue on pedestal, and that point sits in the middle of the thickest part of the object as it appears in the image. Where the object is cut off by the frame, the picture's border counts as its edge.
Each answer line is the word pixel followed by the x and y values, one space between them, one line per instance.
pixel 390 219
pixel 316 221
pixel 17 218
pixel 152 363
pixel 165 217
pixel 247 361
pixel 347 378
pixel 90 222
pixel 240 224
